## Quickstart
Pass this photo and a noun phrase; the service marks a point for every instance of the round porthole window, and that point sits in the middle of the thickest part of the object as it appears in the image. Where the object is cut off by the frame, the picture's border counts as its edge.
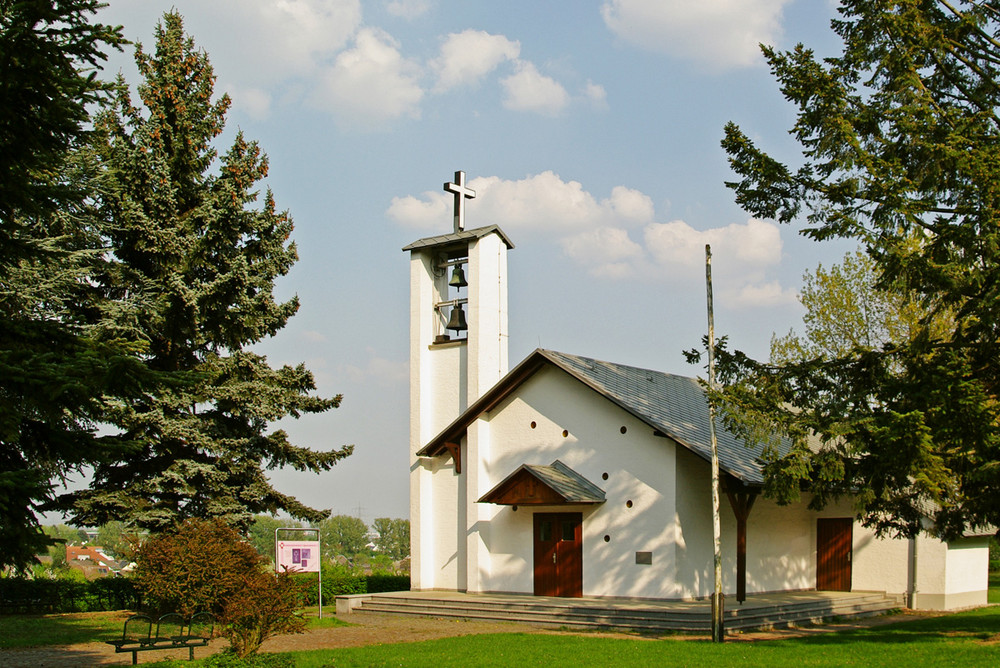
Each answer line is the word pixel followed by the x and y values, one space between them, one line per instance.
pixel 533 424
pixel 607 538
pixel 565 433
pixel 623 429
pixel 604 476
pixel 628 504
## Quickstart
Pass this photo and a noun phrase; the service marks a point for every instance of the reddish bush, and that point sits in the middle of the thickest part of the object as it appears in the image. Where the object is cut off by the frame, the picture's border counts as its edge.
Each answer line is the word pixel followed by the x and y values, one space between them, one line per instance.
pixel 198 566
pixel 206 565
pixel 264 606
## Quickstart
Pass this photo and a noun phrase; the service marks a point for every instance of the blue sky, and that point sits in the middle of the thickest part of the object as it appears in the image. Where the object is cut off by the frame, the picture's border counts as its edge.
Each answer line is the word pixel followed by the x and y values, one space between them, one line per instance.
pixel 590 131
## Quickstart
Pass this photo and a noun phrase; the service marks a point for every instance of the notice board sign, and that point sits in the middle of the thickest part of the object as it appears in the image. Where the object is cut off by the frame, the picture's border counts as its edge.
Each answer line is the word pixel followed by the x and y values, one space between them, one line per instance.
pixel 300 556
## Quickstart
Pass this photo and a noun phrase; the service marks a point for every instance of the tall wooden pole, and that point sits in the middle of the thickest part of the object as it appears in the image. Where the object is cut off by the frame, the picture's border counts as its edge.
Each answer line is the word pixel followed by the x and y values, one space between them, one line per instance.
pixel 718 599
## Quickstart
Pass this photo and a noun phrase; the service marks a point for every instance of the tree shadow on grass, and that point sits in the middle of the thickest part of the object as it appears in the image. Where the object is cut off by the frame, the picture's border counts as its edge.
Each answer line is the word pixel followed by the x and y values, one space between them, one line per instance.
pixel 19 631
pixel 978 624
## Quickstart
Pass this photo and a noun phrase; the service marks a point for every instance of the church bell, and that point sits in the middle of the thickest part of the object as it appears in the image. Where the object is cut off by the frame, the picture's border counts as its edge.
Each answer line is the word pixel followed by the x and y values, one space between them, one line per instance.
pixel 457 320
pixel 458 278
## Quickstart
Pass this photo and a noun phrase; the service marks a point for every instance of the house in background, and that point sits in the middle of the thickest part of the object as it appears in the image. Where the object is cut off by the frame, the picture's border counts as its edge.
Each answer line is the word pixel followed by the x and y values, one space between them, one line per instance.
pixel 92 561
pixel 569 476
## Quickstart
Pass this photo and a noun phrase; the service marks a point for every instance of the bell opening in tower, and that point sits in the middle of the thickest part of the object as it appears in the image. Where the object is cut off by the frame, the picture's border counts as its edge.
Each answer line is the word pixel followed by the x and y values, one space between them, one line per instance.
pixel 451 310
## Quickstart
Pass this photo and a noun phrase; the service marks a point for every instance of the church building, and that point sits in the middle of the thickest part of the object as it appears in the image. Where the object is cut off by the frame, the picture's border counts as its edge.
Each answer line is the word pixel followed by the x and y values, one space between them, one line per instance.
pixel 570 476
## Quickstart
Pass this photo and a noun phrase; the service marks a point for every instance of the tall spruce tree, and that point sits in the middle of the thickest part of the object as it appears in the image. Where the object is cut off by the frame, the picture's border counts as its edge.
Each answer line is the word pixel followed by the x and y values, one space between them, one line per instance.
pixel 53 372
pixel 901 151
pixel 194 262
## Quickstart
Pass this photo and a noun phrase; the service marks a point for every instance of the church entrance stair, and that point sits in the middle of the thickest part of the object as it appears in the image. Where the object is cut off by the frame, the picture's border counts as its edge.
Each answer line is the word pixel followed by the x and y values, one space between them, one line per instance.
pixel 760 611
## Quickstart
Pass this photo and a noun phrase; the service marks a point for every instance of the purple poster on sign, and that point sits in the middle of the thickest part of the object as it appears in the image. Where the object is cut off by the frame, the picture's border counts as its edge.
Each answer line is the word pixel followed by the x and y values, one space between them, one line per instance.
pixel 298 555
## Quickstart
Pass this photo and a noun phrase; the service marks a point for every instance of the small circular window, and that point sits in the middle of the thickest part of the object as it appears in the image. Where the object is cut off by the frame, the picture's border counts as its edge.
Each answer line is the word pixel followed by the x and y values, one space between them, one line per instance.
pixel 628 504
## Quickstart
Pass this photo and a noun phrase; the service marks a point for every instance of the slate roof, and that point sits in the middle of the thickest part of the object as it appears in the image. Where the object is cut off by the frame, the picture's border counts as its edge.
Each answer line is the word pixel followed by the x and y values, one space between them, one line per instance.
pixel 674 406
pixel 561 479
pixel 457 237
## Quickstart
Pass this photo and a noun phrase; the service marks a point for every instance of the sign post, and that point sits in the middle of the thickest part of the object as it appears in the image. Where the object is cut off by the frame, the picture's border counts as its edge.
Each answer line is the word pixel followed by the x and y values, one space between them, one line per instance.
pixel 299 556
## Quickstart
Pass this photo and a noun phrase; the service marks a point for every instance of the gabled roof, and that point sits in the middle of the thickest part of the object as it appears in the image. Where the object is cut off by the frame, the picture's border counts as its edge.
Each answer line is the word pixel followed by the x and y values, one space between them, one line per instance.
pixel 560 485
pixel 673 406
pixel 459 237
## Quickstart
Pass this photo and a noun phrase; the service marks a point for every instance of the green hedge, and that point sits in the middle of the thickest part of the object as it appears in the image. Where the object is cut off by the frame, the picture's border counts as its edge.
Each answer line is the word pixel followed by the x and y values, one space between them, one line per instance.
pixel 38 596
pixel 339 580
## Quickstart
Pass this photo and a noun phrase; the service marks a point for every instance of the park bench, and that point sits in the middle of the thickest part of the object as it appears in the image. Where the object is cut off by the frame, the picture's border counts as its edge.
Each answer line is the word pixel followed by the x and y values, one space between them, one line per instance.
pixel 172 631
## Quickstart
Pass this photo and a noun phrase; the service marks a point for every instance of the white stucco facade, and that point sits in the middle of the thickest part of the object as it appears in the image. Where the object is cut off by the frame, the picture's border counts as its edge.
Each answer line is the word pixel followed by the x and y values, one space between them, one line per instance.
pixel 657 494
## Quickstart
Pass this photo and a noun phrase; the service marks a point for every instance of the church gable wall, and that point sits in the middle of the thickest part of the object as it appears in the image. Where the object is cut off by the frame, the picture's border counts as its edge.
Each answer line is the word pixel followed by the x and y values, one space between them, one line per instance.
pixel 640 475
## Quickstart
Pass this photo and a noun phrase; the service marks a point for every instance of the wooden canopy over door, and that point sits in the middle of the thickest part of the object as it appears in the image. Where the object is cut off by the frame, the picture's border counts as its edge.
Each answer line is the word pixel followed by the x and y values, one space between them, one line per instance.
pixel 558 543
pixel 834 539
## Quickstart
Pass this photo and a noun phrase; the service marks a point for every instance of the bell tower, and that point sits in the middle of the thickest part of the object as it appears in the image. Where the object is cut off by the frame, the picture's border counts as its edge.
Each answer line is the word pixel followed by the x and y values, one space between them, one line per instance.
pixel 458 350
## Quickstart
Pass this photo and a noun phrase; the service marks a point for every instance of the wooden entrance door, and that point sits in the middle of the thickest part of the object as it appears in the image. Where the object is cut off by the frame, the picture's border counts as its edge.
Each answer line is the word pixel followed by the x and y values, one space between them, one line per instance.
pixel 833 553
pixel 558 539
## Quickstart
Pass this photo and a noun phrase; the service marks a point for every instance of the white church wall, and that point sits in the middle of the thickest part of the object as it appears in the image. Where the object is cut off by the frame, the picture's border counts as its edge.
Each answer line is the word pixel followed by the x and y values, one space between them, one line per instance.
pixel 477 535
pixel 930 573
pixel 780 540
pixel 638 465
pixel 487 293
pixel 781 546
pixel 967 580
pixel 880 564
pixel 445 386
pixel 442 552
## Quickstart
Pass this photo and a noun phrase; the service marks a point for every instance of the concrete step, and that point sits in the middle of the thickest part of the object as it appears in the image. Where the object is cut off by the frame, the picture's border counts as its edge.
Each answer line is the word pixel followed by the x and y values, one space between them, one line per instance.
pixel 592 614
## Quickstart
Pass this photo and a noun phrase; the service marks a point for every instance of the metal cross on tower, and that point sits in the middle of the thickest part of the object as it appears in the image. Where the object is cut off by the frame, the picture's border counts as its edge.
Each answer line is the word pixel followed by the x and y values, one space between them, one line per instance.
pixel 461 194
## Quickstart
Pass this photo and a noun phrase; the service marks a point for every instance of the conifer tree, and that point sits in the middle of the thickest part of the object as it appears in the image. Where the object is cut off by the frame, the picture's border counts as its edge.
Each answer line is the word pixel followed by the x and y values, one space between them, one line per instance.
pixel 900 138
pixel 53 372
pixel 195 257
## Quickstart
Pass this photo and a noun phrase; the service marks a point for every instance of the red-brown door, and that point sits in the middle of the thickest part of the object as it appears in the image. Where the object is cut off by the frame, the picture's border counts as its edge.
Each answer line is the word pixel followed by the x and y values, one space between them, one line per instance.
pixel 558 539
pixel 833 553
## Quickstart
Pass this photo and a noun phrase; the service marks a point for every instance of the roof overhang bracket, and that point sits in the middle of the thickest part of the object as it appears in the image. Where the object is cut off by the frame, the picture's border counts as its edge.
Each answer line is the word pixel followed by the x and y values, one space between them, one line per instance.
pixel 455 450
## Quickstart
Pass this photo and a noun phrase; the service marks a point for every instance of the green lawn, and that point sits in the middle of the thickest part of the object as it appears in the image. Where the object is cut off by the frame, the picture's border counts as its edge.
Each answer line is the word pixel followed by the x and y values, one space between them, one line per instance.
pixel 961 639
pixel 970 638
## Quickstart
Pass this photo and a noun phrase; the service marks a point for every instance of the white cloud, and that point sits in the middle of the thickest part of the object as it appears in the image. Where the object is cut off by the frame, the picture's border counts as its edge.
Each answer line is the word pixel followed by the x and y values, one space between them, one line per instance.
pixel 468 56
pixel 596 94
pixel 530 90
pixel 539 202
pixel 408 9
pixel 756 243
pixel 270 40
pixel 762 294
pixel 607 250
pixel 379 370
pixel 742 257
pixel 371 83
pixel 256 102
pixel 423 213
pixel 312 336
pixel 256 46
pixel 630 204
pixel 615 237
pixel 717 33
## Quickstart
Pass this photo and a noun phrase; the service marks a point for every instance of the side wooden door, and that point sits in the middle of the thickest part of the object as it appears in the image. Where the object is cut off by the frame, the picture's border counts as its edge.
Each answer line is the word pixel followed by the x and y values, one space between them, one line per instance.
pixel 834 540
pixel 558 554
